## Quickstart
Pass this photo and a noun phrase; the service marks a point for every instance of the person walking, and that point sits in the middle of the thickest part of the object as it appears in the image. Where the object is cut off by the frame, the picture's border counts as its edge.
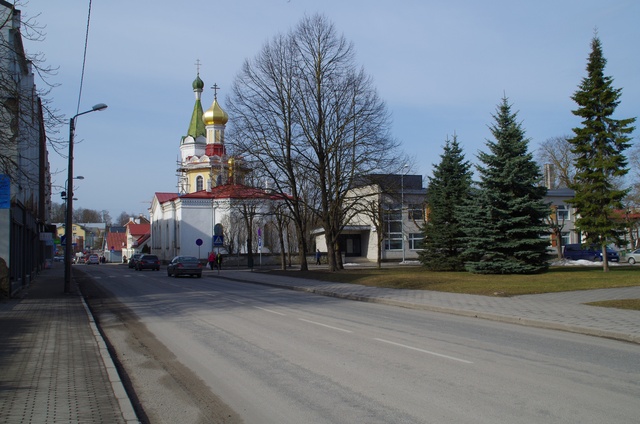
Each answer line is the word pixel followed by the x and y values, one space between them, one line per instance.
pixel 212 260
pixel 318 257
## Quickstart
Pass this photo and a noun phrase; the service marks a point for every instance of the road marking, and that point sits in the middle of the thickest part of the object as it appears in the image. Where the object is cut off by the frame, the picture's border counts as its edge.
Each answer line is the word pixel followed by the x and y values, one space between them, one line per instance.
pixel 325 325
pixel 424 351
pixel 269 310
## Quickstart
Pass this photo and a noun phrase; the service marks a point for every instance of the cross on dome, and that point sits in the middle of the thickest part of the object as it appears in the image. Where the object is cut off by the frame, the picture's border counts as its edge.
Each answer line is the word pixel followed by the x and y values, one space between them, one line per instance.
pixel 215 91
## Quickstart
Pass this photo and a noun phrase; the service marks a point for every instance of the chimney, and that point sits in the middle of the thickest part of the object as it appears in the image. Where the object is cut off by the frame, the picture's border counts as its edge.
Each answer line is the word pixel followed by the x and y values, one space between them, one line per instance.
pixel 549 176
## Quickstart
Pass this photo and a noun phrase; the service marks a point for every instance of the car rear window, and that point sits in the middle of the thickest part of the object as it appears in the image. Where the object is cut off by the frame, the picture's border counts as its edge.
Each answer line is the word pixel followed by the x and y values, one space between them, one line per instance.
pixel 189 259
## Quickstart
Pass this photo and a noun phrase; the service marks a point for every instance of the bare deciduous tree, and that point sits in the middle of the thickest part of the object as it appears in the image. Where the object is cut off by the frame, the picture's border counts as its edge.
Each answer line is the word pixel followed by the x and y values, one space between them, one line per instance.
pixel 556 152
pixel 313 120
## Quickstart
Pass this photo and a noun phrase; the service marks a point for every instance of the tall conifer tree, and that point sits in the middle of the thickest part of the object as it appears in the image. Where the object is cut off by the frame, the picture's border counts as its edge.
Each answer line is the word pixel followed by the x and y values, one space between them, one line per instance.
pixel 599 145
pixel 505 219
pixel 447 191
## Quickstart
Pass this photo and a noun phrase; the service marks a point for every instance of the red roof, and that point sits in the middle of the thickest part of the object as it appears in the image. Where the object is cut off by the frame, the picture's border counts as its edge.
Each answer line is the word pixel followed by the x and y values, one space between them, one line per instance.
pixel 165 197
pixel 626 215
pixel 137 230
pixel 233 191
pixel 115 241
pixel 140 241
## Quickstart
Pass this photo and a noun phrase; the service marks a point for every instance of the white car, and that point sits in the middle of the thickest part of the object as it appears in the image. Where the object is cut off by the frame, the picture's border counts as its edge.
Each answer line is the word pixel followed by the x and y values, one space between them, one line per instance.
pixel 93 259
pixel 633 257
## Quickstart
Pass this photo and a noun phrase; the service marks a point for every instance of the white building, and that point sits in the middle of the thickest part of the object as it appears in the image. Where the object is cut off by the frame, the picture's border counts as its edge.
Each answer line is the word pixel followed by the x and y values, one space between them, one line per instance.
pixel 213 207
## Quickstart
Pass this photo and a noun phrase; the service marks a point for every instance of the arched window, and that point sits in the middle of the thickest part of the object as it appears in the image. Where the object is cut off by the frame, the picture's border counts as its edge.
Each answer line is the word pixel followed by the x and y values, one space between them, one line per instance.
pixel 199 183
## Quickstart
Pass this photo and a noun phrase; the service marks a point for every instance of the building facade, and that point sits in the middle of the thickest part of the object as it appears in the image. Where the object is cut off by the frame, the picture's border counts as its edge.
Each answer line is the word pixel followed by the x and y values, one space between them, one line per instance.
pixel 26 238
pixel 388 215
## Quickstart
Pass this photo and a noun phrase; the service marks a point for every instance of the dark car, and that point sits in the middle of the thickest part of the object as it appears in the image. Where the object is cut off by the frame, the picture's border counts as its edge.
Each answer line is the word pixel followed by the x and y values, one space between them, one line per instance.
pixel 148 262
pixel 578 251
pixel 133 259
pixel 184 265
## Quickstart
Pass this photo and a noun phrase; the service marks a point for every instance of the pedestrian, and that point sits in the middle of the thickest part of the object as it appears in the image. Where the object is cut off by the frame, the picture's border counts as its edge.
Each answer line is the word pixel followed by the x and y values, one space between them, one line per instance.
pixel 212 260
pixel 219 260
pixel 318 257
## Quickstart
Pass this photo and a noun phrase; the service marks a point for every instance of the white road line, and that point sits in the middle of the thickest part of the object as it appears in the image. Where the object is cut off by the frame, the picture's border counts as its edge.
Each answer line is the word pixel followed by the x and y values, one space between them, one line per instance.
pixel 425 351
pixel 325 325
pixel 269 310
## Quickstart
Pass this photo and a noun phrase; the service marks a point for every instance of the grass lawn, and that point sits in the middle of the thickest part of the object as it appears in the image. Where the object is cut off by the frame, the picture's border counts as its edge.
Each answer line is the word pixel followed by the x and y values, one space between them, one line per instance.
pixel 620 304
pixel 557 279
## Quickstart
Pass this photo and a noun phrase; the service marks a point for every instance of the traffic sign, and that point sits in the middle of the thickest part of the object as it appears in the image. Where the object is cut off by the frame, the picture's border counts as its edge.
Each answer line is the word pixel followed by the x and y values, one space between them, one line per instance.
pixel 218 241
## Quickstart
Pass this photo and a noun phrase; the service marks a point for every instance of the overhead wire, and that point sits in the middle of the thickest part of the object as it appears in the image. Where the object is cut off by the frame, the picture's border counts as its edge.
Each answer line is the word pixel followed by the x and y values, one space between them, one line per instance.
pixel 84 58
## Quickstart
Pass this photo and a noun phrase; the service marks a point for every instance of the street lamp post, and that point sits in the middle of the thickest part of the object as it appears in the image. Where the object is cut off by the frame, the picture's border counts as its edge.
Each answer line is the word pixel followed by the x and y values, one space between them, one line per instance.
pixel 69 215
pixel 402 209
pixel 66 184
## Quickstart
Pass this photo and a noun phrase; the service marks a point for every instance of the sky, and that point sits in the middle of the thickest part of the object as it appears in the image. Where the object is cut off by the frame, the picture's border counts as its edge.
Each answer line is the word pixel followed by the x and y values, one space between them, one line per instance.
pixel 441 66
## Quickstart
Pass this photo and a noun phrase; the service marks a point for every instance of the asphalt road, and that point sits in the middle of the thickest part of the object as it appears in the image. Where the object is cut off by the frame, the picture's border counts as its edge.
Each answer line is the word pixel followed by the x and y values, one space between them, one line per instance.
pixel 212 350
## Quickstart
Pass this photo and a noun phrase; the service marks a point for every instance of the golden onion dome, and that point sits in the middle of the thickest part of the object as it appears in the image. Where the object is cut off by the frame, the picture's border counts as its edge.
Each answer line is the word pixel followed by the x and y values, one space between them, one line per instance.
pixel 215 115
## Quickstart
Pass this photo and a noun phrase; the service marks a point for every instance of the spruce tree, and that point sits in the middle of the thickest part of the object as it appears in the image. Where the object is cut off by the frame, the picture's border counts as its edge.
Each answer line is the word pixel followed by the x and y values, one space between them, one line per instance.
pixel 504 220
pixel 447 190
pixel 599 145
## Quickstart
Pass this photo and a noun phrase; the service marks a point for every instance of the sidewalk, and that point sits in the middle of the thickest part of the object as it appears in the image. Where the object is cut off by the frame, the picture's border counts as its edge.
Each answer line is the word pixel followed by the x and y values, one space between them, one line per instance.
pixel 559 311
pixel 54 365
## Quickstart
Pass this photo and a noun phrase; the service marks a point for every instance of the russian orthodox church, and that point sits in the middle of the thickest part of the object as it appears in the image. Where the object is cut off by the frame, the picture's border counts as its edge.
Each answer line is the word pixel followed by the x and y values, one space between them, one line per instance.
pixel 204 215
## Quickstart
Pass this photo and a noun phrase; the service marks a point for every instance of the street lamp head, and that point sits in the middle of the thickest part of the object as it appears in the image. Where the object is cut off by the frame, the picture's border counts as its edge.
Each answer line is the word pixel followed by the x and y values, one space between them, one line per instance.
pixel 79 177
pixel 99 106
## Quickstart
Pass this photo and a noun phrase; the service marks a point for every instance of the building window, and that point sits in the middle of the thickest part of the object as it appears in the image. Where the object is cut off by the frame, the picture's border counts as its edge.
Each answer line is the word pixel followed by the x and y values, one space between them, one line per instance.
pixel 392 226
pixel 566 238
pixel 416 212
pixel 199 183
pixel 415 241
pixel 563 214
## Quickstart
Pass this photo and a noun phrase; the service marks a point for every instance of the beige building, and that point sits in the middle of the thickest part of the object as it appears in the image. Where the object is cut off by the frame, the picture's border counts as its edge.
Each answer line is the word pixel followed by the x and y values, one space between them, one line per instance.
pixel 389 215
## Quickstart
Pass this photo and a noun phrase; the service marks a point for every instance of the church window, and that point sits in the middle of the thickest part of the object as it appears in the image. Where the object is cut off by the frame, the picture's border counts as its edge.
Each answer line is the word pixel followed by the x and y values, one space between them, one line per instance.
pixel 199 183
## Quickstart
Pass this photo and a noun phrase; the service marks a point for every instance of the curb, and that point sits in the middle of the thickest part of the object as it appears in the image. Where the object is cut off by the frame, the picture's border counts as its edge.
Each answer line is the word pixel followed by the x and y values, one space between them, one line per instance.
pixel 126 407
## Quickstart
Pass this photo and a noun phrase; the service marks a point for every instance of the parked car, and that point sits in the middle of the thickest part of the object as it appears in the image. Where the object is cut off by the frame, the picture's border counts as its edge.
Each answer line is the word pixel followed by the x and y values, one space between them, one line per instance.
pixel 92 259
pixel 133 259
pixel 633 257
pixel 184 265
pixel 148 262
pixel 590 253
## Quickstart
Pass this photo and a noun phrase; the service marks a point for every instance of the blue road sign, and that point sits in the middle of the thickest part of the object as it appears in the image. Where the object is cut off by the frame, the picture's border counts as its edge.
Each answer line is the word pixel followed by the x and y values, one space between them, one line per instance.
pixel 218 241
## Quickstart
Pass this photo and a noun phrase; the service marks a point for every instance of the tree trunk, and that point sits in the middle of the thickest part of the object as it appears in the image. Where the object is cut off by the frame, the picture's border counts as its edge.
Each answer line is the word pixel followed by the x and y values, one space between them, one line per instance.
pixel 605 259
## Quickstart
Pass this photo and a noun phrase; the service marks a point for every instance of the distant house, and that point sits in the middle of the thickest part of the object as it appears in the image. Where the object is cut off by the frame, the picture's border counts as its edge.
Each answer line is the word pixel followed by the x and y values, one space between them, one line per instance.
pixel 114 243
pixel 77 238
pixel 137 236
pixel 93 235
pixel 563 217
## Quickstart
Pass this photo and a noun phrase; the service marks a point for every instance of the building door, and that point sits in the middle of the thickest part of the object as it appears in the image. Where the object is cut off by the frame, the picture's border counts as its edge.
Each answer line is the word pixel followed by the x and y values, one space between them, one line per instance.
pixel 350 244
